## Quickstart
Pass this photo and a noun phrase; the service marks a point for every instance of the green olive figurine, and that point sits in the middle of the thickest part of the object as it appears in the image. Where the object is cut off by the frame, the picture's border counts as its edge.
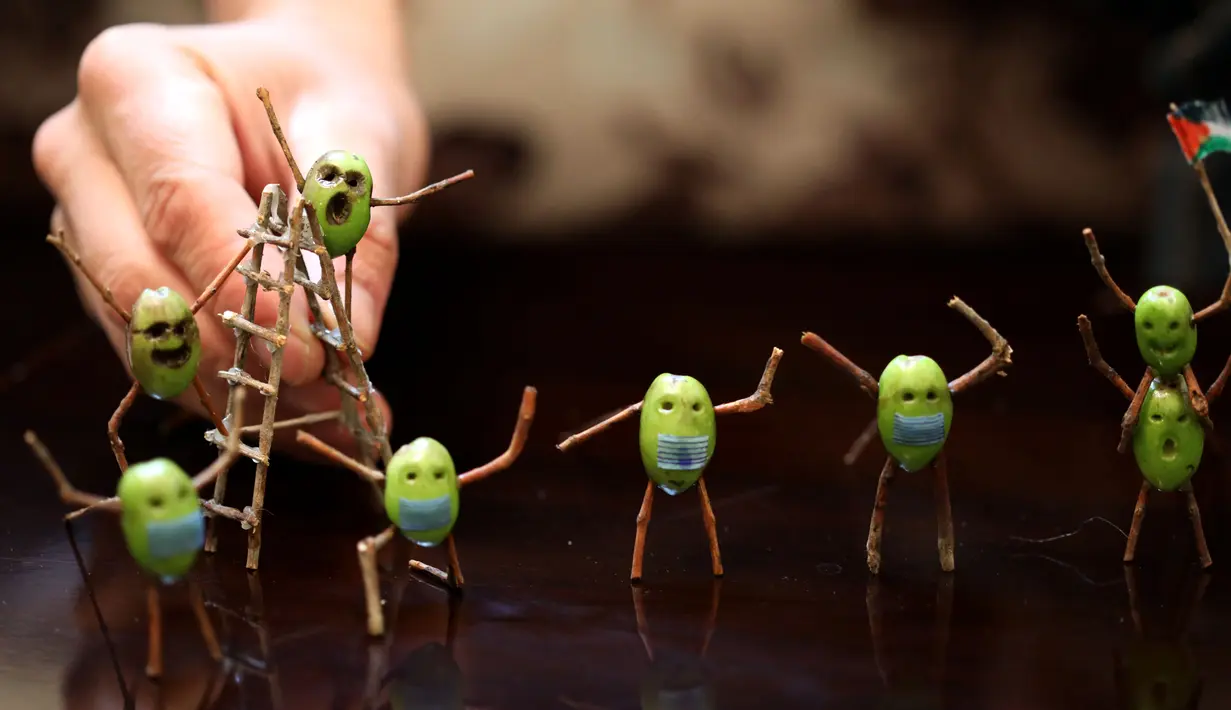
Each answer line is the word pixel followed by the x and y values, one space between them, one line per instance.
pixel 677 437
pixel 421 501
pixel 1167 413
pixel 339 187
pixel 164 345
pixel 914 413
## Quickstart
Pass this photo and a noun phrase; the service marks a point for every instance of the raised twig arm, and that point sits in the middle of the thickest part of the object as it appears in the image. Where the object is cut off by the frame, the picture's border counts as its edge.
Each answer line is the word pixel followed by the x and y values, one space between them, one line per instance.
pixel 581 436
pixel 212 289
pixel 761 397
pixel 338 457
pixel 525 417
pixel 1100 265
pixel 421 192
pixel 866 381
pixel 68 493
pixel 1001 357
pixel 57 241
pixel 1219 383
pixel 226 459
pixel 1096 357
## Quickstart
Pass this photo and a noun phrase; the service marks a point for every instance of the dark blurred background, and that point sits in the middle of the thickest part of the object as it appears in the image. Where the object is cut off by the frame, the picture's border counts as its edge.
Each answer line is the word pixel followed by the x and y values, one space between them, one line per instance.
pixel 680 186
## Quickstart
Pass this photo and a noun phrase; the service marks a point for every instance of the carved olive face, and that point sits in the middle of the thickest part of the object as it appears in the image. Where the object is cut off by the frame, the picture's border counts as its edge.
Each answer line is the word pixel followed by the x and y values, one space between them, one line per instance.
pixel 421 491
pixel 914 410
pixel 339 186
pixel 164 345
pixel 1168 441
pixel 1166 331
pixel 678 432
pixel 161 517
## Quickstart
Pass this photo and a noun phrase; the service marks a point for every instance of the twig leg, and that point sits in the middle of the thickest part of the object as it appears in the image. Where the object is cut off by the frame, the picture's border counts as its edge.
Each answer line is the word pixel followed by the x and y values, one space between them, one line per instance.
pixel 711 621
pixel 1139 512
pixel 153 663
pixel 113 426
pixel 944 513
pixel 643 524
pixel 1129 422
pixel 878 517
pixel 711 527
pixel 455 567
pixel 207 628
pixel 367 549
pixel 643 626
pixel 1194 514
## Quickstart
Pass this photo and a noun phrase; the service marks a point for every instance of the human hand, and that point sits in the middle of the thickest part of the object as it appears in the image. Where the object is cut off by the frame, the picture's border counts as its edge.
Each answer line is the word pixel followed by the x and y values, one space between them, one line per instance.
pixel 162 154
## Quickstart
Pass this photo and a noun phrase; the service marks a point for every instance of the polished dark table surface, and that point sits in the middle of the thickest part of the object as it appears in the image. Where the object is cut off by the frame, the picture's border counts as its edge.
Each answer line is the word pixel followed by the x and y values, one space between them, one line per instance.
pixel 548 619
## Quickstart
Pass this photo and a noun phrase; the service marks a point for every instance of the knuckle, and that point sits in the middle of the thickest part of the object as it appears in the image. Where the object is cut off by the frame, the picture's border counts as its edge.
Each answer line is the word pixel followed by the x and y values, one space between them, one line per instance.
pixel 48 147
pixel 110 54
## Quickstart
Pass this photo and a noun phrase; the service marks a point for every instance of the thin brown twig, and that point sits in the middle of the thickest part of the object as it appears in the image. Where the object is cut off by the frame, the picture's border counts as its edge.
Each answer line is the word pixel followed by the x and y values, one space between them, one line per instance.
pixel 422 192
pixel 1224 299
pixel 306 420
pixel 111 505
pixel 866 382
pixel 57 241
pixel 263 94
pixel 338 457
pixel 212 289
pixel 586 434
pixel 1129 422
pixel 203 395
pixel 1095 357
pixel 1219 383
pixel 525 416
pixel 68 493
pixel 1100 265
pixel 1001 357
pixel 227 458
pixel 762 396
pixel 865 437
pixel 1196 398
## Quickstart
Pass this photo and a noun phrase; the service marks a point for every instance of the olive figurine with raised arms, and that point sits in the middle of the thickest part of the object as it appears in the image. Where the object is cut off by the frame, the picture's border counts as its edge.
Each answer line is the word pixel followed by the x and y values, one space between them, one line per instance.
pixel 914 413
pixel 1168 413
pixel 161 518
pixel 677 438
pixel 421 501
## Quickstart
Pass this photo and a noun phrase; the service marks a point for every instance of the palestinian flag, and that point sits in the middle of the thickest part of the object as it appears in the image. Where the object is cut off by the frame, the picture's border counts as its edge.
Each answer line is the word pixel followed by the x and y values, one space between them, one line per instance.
pixel 1202 128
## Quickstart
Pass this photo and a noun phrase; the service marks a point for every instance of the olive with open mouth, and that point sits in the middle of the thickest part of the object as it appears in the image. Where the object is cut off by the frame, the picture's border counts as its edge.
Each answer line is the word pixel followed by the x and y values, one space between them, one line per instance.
pixel 164 344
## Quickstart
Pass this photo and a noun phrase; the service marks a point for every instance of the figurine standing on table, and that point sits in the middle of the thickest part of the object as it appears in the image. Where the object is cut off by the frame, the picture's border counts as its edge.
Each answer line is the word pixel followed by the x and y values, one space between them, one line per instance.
pixel 160 516
pixel 914 411
pixel 1167 414
pixel 678 434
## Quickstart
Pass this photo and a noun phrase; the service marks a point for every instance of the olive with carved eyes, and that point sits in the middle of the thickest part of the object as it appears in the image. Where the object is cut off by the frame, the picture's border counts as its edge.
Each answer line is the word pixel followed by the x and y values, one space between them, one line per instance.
pixel 161 518
pixel 914 410
pixel 164 344
pixel 1168 441
pixel 1166 331
pixel 678 432
pixel 421 491
pixel 339 187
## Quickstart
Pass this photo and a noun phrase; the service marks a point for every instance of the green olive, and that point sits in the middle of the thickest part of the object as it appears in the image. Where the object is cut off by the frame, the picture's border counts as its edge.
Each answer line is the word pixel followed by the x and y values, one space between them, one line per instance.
pixel 427 678
pixel 914 410
pixel 678 432
pixel 421 491
pixel 1158 675
pixel 164 345
pixel 339 186
pixel 1168 440
pixel 161 518
pixel 1166 331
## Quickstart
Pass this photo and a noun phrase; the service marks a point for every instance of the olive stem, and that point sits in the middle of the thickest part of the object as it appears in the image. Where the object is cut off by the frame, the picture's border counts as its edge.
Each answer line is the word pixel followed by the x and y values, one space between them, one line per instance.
pixel 525 416
pixel 1100 265
pixel 263 94
pixel 866 381
pixel 586 434
pixel 762 396
pixel 421 192
pixel 57 241
pixel 1001 357
pixel 1096 360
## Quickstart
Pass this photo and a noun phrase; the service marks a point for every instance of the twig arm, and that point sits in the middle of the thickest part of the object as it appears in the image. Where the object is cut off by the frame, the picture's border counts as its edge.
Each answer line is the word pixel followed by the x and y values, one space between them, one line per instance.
pixel 57 241
pixel 1100 265
pixel 68 493
pixel 227 458
pixel 422 192
pixel 1001 357
pixel 1219 384
pixel 110 505
pixel 613 419
pixel 866 382
pixel 1096 357
pixel 762 396
pixel 263 94
pixel 865 437
pixel 338 457
pixel 212 289
pixel 1129 422
pixel 525 416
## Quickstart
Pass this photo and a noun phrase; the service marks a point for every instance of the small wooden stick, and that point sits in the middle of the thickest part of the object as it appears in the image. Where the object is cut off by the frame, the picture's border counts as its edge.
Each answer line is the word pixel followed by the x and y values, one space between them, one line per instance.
pixel 57 241
pixel 1194 515
pixel 350 259
pixel 643 524
pixel 113 425
pixel 1100 265
pixel 525 416
pixel 711 621
pixel 455 565
pixel 583 435
pixel 422 192
pixel 1224 299
pixel 1001 357
pixel 944 513
pixel 762 396
pixel 153 663
pixel 208 403
pixel 866 382
pixel 68 493
pixel 878 517
pixel 1196 399
pixel 865 437
pixel 305 420
pixel 1219 383
pixel 1096 360
pixel 1129 422
pixel 367 549
pixel 263 94
pixel 1139 512
pixel 212 289
pixel 338 457
pixel 207 628
pixel 711 528
pixel 227 458
pixel 643 625
pixel 111 505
